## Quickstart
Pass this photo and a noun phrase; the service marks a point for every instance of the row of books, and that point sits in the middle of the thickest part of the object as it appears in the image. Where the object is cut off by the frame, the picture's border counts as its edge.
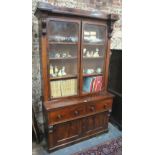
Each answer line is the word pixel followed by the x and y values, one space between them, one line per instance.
pixel 92 84
pixel 63 88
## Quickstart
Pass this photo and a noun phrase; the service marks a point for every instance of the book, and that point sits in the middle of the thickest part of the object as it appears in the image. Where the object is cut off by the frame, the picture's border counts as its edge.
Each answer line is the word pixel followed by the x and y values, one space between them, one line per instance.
pixel 87 84
pixel 93 84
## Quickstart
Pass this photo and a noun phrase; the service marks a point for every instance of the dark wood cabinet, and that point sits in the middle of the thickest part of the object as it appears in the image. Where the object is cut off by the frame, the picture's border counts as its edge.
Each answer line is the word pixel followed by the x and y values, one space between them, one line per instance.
pixel 75 53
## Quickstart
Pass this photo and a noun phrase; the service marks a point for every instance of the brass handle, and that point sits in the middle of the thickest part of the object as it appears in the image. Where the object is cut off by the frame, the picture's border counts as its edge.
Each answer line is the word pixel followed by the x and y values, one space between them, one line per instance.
pixel 85 101
pixel 59 116
pixel 92 108
pixel 76 112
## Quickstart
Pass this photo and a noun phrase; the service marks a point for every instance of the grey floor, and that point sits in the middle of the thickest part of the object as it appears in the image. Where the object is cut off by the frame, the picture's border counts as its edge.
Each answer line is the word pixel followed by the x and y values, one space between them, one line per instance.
pixel 39 149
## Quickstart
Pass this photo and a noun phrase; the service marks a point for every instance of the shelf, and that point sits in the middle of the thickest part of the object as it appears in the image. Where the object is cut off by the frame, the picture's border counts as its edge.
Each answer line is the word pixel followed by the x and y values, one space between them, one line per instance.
pixel 64 43
pixel 93 57
pixel 69 58
pixel 94 44
pixel 95 74
pixel 63 77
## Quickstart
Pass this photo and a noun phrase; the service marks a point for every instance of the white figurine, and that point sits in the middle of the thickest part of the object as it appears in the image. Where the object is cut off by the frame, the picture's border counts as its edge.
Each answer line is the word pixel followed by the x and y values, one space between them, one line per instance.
pixel 63 73
pixel 88 54
pixel 56 70
pixel 84 51
pixel 64 55
pixel 57 55
pixel 60 73
pixel 51 70
pixel 96 54
pixel 92 53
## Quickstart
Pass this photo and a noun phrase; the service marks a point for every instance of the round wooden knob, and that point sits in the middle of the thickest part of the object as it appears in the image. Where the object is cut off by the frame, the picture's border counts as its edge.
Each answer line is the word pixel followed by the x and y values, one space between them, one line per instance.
pixel 76 112
pixel 105 106
pixel 59 116
pixel 92 108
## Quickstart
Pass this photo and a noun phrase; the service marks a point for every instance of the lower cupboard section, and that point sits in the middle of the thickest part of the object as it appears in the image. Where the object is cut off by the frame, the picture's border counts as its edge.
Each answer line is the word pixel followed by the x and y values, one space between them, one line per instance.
pixel 71 131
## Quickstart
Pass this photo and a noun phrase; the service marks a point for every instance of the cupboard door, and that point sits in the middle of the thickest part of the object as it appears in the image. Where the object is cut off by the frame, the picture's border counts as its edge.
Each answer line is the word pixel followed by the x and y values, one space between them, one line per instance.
pixel 67 132
pixel 96 123
pixel 63 54
pixel 93 56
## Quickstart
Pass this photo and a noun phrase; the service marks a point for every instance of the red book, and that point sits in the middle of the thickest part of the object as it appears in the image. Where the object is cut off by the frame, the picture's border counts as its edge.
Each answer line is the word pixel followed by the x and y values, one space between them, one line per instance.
pixel 98 83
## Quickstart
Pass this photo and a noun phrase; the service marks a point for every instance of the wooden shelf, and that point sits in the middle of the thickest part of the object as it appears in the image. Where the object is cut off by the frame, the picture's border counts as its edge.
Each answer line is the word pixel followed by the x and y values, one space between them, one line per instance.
pixel 64 43
pixel 100 57
pixel 95 74
pixel 69 58
pixel 63 77
pixel 94 44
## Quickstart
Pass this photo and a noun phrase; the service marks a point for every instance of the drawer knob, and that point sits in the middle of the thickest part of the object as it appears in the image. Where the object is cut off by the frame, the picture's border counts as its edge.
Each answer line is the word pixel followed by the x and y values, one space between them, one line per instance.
pixel 92 108
pixel 105 106
pixel 59 116
pixel 76 112
pixel 85 101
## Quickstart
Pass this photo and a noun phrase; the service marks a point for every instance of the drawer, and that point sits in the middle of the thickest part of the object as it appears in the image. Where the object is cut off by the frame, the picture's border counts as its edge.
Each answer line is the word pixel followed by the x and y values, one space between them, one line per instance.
pixel 65 113
pixel 103 105
pixel 99 106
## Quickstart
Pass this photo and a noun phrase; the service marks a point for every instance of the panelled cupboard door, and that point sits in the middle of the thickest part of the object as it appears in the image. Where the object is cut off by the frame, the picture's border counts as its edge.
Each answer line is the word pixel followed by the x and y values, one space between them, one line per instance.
pixel 63 37
pixel 67 131
pixel 96 123
pixel 93 56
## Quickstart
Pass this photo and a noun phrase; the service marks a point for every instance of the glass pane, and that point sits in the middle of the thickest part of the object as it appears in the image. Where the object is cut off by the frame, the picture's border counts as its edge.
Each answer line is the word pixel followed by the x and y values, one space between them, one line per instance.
pixel 94 33
pixel 93 57
pixel 63 88
pixel 63 58
pixel 61 31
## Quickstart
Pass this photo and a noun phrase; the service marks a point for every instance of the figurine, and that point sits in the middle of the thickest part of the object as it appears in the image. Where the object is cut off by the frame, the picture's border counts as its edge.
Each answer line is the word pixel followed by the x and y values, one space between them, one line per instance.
pixel 92 53
pixel 64 55
pixel 84 51
pixel 96 54
pixel 63 73
pixel 51 70
pixel 56 71
pixel 68 55
pixel 87 54
pixel 60 73
pixel 57 55
pixel 98 70
pixel 90 71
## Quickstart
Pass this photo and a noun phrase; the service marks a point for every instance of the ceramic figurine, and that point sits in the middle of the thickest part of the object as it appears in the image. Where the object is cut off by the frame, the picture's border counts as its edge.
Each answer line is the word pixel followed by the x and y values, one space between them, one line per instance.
pixel 87 54
pixel 60 73
pixel 90 71
pixel 98 70
pixel 64 55
pixel 68 55
pixel 84 51
pixel 57 55
pixel 51 70
pixel 63 73
pixel 56 70
pixel 96 54
pixel 92 53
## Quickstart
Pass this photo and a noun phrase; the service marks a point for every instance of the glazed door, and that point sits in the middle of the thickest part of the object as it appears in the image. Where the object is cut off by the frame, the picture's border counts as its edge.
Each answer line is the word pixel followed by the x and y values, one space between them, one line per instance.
pixel 63 57
pixel 93 55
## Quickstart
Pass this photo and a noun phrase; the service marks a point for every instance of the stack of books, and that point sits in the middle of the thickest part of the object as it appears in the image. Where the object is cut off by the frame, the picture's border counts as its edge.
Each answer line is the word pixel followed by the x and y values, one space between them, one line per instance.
pixel 92 84
pixel 63 88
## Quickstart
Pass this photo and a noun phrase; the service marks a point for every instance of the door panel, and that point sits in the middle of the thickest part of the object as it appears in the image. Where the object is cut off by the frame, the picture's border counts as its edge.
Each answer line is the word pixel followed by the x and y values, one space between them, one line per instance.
pixel 68 131
pixel 96 123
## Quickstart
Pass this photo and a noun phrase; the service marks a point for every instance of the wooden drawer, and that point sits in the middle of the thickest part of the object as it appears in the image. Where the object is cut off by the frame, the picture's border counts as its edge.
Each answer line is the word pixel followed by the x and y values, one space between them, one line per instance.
pixel 103 105
pixel 65 113
pixel 99 106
